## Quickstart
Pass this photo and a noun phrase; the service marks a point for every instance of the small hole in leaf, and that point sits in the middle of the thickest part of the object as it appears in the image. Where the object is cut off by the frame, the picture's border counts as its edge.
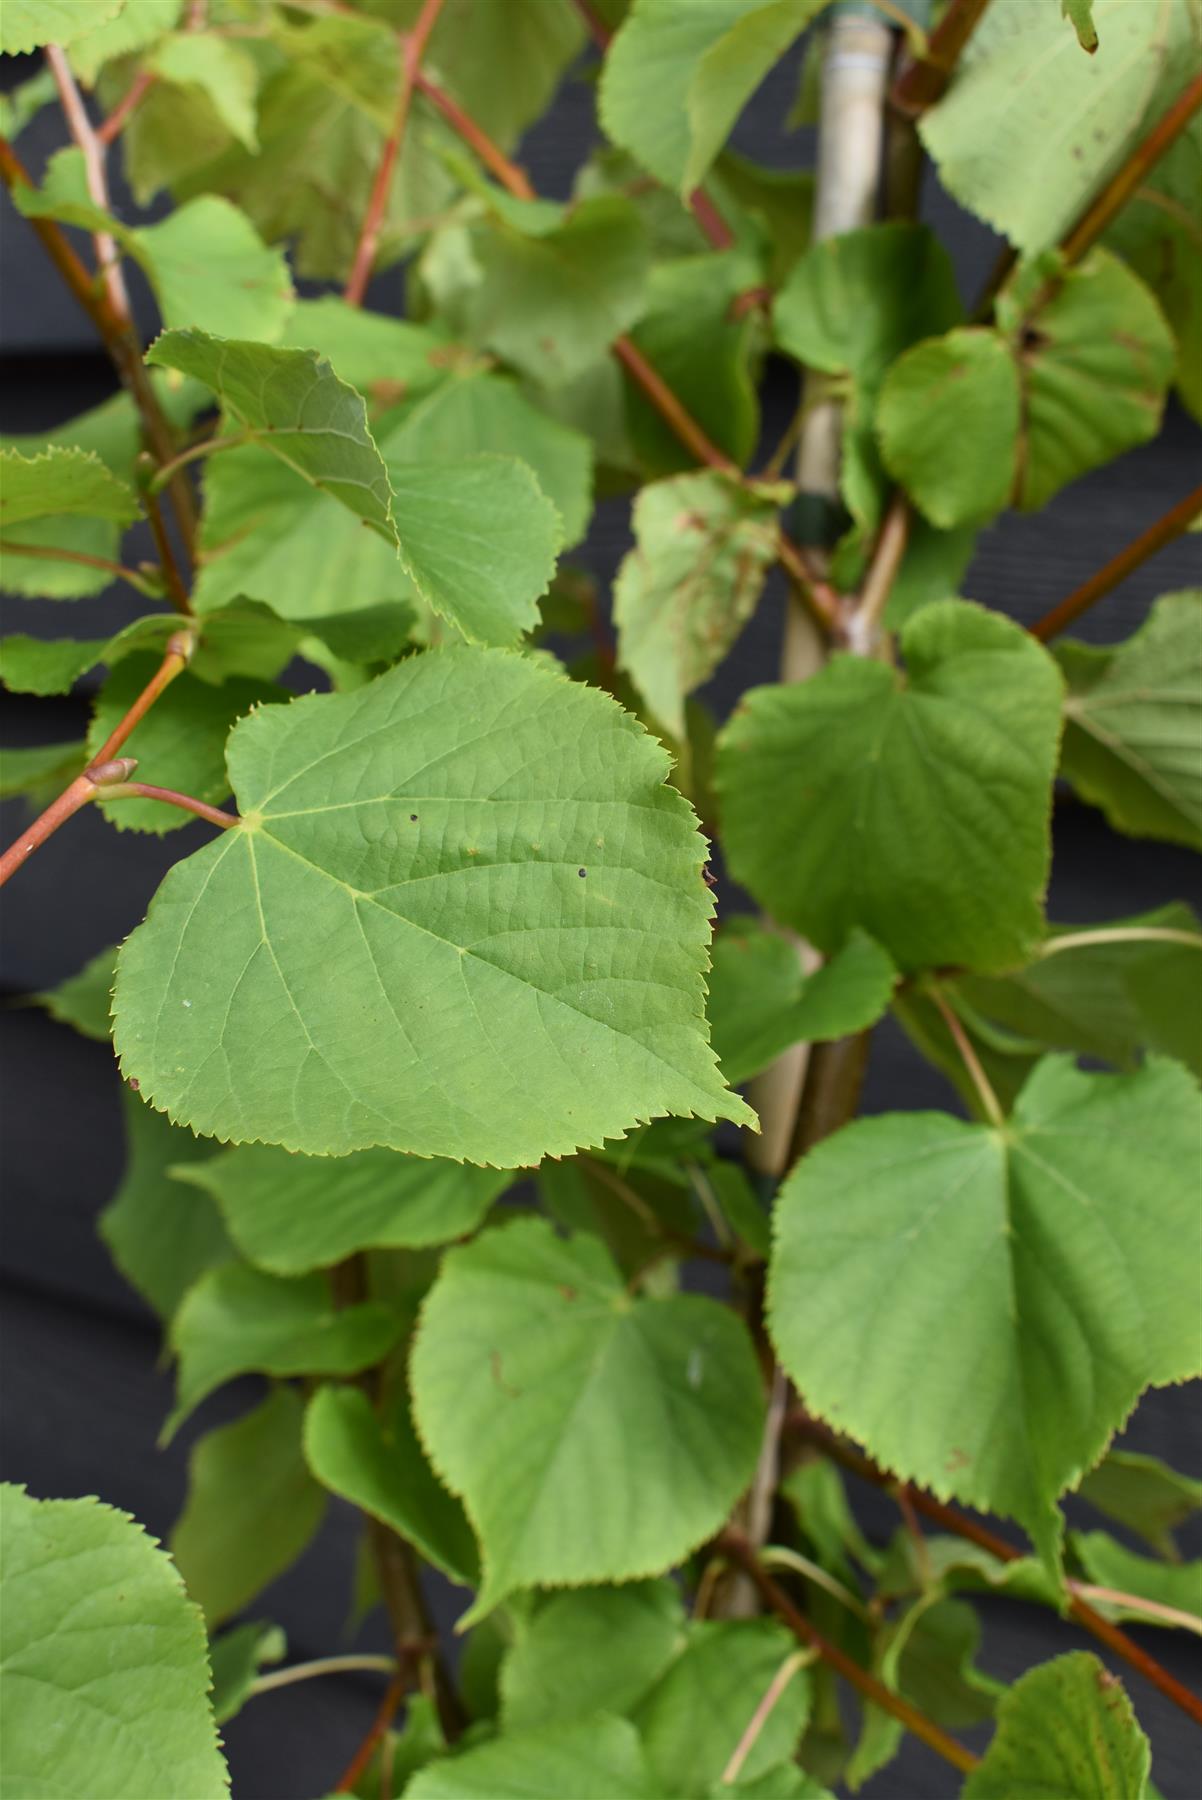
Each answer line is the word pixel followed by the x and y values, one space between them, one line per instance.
pixel 582 873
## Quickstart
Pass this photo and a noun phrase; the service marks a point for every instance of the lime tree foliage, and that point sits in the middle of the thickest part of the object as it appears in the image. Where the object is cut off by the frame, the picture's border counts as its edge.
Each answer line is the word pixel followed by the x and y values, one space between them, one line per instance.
pixel 442 1080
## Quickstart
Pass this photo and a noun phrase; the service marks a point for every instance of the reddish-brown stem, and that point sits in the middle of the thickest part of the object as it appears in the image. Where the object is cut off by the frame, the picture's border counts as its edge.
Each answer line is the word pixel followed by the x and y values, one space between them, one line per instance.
pixel 144 790
pixel 119 340
pixel 736 1548
pixel 176 590
pixel 83 788
pixel 1123 183
pixel 819 596
pixel 669 407
pixel 51 553
pixel 971 1529
pixel 490 154
pixel 1176 521
pixel 116 121
pixel 922 81
pixel 360 1761
pixel 413 48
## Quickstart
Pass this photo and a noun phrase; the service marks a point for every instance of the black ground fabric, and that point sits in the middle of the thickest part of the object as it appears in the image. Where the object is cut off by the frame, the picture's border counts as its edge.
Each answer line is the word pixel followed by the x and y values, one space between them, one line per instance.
pixel 84 1391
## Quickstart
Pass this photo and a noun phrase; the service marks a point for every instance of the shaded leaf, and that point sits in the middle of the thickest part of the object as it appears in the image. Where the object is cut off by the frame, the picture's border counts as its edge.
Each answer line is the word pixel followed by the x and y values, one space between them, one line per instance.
pixel 760 1002
pixel 575 1761
pixel 1144 1494
pixel 251 1509
pixel 378 1465
pixel 446 983
pixel 83 1000
pixel 1175 1585
pixel 38 773
pixel 530 1355
pixel 1132 740
pixel 590 1650
pixel 948 422
pixel 92 1605
pixel 1018 1304
pixel 236 1657
pixel 1158 233
pixel 35 665
pixel 290 1214
pixel 238 1321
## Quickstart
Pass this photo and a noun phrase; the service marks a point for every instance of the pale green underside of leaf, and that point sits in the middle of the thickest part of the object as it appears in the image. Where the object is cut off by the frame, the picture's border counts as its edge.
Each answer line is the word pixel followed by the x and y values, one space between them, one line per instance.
pixel 296 407
pixel 378 1465
pixel 1133 732
pixel 161 1235
pixel 1065 1728
pixel 238 1321
pixel 924 815
pixel 982 1308
pixel 679 73
pixel 290 1214
pixel 1023 80
pixel 105 1677
pixel 60 481
pixel 251 1509
pixel 703 546
pixel 593 1437
pixel 574 1761
pixel 590 1650
pixel 403 919
pixel 28 24
pixel 760 1002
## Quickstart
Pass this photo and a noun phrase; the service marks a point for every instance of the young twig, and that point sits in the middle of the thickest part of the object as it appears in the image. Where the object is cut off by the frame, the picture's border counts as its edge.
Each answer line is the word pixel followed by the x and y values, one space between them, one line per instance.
pixel 101 769
pixel 111 127
pixel 1177 520
pixel 361 1760
pixel 413 49
pixel 92 149
pixel 1118 190
pixel 924 80
pixel 990 1104
pixel 176 591
pixel 734 1546
pixel 944 1516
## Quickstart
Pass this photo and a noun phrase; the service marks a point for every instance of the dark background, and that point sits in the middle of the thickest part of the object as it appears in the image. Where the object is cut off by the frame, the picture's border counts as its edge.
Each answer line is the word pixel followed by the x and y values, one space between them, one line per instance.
pixel 84 1389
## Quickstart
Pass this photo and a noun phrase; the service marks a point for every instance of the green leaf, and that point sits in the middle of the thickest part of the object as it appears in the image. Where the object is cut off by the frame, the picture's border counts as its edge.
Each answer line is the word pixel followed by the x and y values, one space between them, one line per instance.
pixel 1157 232
pixel 92 1607
pixel 28 24
pixel 83 1000
pixel 678 75
pixel 535 1374
pixel 588 1651
pixel 575 1761
pixel 161 1235
pixel 238 1321
pixel 1143 1494
pixel 387 359
pixel 209 268
pixel 948 421
pixel 1132 743
pixel 550 302
pixel 1080 15
pixel 21 104
pixel 760 1002
pixel 252 1507
pixel 1065 1728
pixel 785 1782
pixel 295 406
pixel 479 539
pixel 703 547
pixel 423 838
pixel 1022 80
pixel 694 1719
pixel 476 412
pixel 1019 1305
pixel 180 743
pixel 290 1214
pixel 503 64
pixel 58 482
pixel 1176 1585
pixel 923 816
pixel 32 665
pixel 378 1465
pixel 137 24
pixel 699 341
pixel 1111 999
pixel 39 773
pixel 236 1657
pixel 1096 360
pixel 219 70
